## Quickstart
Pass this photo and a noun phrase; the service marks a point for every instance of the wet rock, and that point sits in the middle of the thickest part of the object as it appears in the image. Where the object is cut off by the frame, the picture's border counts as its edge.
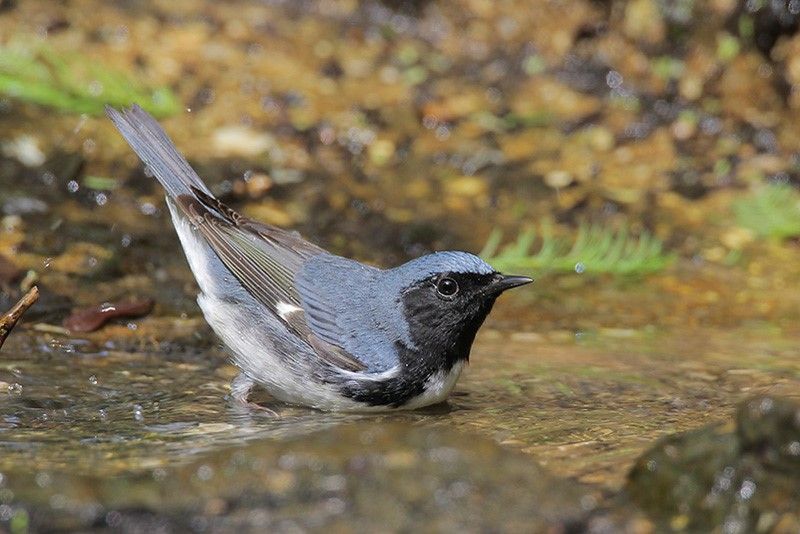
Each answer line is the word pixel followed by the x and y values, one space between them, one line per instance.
pixel 747 91
pixel 788 52
pixel 643 22
pixel 82 258
pixel 737 238
pixel 270 212
pixel 558 179
pixel 24 206
pixel 381 152
pixel 371 476
pixel 240 141
pixel 456 106
pixel 743 477
pixel 544 100
pixel 466 186
pixel 254 185
pixel 9 272
pixel 771 21
pixel 24 149
pixel 531 144
pixel 633 170
pixel 700 67
pixel 91 319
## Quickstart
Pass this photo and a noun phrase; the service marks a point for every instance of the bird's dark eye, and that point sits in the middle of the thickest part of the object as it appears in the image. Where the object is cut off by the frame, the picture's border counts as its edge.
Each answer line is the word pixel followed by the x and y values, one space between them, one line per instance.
pixel 447 287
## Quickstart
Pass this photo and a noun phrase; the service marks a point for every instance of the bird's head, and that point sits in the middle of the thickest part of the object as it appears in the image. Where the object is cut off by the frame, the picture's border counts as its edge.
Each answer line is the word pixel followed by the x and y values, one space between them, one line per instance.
pixel 445 298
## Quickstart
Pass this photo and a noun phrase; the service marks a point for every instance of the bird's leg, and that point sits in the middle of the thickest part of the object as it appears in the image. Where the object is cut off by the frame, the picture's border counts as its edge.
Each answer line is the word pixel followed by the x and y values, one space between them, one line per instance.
pixel 241 386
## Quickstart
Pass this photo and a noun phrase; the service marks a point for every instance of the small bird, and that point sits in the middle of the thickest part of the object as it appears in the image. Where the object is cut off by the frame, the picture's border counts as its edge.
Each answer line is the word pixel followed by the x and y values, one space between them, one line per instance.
pixel 310 327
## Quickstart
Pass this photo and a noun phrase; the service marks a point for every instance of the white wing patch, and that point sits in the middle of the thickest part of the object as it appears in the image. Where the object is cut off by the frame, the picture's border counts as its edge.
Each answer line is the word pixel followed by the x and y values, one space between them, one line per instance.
pixel 384 375
pixel 285 309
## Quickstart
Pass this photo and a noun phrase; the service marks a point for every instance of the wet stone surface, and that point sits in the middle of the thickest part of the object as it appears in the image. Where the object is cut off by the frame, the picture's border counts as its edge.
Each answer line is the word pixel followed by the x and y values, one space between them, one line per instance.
pixel 371 476
pixel 743 477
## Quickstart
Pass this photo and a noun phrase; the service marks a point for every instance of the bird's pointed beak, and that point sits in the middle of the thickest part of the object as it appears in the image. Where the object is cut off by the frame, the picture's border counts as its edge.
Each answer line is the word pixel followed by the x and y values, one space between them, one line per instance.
pixel 502 282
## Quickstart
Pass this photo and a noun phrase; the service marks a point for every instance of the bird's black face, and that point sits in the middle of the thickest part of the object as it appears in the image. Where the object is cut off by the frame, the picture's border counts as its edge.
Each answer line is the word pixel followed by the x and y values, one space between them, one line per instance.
pixel 445 311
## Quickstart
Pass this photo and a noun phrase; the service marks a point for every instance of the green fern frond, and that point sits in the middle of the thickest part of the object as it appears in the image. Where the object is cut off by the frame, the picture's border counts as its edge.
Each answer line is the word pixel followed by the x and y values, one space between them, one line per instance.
pixel 75 84
pixel 773 212
pixel 596 250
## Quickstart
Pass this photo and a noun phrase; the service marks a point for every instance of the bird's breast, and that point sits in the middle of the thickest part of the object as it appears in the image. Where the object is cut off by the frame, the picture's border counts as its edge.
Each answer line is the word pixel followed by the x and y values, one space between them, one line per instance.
pixel 437 387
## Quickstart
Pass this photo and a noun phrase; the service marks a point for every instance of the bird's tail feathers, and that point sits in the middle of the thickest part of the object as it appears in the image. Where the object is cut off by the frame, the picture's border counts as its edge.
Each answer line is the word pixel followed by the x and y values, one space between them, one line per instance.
pixel 157 151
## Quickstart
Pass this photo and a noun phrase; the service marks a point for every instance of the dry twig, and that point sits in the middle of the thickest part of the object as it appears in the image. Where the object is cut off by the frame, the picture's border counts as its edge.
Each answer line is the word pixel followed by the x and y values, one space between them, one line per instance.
pixel 10 318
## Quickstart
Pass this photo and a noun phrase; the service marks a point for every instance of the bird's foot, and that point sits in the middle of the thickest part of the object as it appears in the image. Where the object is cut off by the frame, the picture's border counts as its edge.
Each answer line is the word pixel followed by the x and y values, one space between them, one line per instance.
pixel 241 387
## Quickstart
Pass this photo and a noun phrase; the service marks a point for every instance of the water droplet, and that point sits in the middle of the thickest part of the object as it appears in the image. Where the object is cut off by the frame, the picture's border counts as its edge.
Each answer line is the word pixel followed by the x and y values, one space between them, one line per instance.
pixel 442 133
pixel 43 480
pixel 747 490
pixel 101 199
pixel 430 121
pixel 15 388
pixel 58 501
pixel 93 380
pixel 147 208
pixel 103 414
pixel 113 519
pixel 138 413
pixel 327 135
pixel 580 267
pixel 73 186
pixel 89 146
pixel 95 88
pixel 204 472
pixel 614 79
pixel 47 262
pixel 588 502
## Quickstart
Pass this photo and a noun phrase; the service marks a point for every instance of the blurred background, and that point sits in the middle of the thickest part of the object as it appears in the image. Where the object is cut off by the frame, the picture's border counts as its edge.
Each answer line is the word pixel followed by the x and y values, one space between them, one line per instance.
pixel 639 158
pixel 646 139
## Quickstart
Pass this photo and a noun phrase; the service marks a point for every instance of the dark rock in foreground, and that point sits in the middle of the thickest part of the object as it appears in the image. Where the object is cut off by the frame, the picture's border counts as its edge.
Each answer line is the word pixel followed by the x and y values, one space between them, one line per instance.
pixel 727 478
pixel 398 479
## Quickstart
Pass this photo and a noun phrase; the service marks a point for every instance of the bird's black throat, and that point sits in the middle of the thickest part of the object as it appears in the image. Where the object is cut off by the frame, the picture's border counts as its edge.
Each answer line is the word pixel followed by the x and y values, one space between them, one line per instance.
pixel 442 332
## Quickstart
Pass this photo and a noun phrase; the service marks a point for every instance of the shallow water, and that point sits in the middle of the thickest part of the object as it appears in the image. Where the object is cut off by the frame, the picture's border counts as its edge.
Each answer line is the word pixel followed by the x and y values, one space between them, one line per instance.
pixel 384 130
pixel 586 406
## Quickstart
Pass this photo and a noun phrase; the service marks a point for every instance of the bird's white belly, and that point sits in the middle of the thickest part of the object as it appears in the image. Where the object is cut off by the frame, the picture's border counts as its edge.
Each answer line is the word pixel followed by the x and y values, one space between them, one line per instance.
pixel 437 387
pixel 289 380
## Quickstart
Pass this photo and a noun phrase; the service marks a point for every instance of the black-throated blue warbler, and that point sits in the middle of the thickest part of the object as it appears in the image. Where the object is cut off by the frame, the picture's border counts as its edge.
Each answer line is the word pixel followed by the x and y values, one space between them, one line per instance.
pixel 310 327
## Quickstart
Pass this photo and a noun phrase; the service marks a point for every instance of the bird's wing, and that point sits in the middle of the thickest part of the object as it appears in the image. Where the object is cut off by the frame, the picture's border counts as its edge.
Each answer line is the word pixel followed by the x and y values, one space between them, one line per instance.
pixel 263 258
pixel 349 305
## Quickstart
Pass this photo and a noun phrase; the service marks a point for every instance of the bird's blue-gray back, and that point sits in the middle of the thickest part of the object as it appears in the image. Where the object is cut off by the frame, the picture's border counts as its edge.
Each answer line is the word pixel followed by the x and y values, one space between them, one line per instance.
pixel 359 308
